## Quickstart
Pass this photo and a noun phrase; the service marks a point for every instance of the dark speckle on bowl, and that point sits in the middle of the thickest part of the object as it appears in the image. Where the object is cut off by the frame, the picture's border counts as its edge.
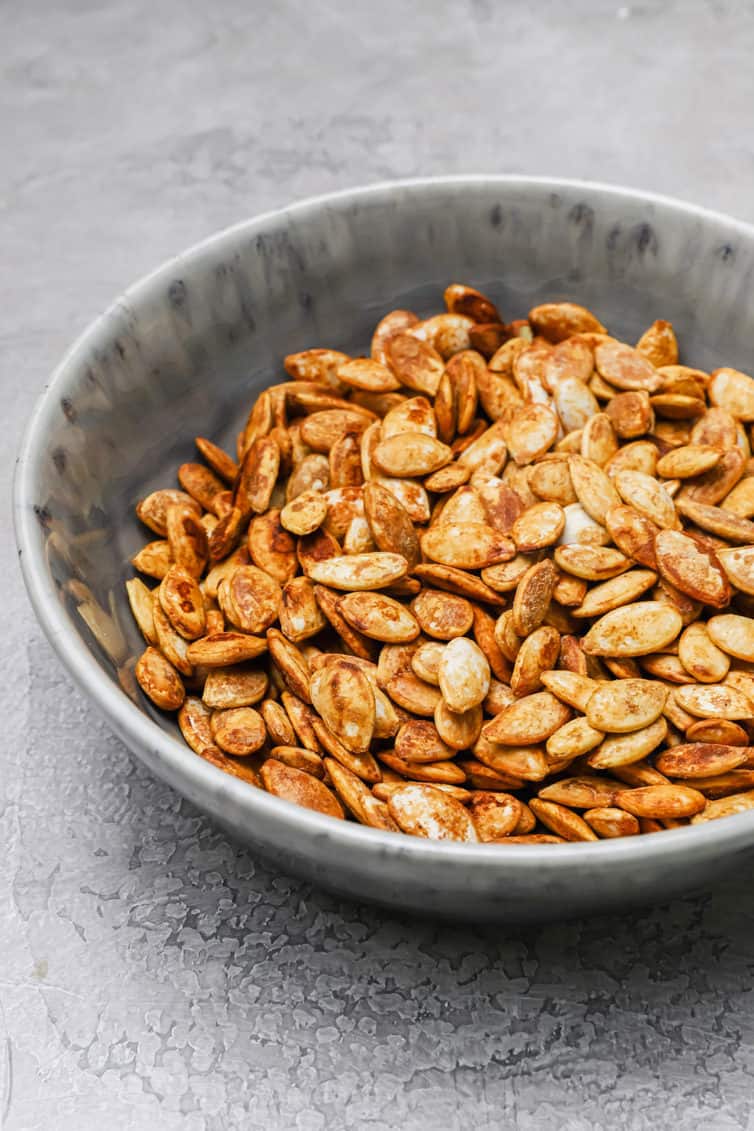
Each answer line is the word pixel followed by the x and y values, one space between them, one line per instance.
pixel 69 412
pixel 726 253
pixel 645 239
pixel 555 200
pixel 613 238
pixel 177 293
pixel 496 215
pixel 582 216
pixel 60 459
pixel 43 516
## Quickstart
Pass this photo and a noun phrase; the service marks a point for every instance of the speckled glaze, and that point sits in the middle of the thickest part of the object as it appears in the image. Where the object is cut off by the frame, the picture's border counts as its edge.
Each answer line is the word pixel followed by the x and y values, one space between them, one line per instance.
pixel 186 350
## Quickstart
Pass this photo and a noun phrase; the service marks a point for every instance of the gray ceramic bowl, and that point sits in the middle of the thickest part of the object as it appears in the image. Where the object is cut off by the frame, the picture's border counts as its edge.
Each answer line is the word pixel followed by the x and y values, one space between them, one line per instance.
pixel 185 351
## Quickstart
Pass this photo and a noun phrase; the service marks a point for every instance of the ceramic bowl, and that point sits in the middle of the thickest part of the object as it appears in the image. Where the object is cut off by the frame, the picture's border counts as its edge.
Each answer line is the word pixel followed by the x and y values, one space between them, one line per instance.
pixel 186 350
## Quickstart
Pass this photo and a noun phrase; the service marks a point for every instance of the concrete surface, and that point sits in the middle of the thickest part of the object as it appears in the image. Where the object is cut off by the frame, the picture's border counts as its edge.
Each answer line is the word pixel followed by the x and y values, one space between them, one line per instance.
pixel 152 975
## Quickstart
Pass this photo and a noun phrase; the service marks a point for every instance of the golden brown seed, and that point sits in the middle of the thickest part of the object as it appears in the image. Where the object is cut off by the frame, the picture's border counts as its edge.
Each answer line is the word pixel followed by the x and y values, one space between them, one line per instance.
pixel 582 792
pixel 302 719
pixel 607 821
pixel 194 722
pixel 529 720
pixel 300 758
pixel 182 602
pixel 532 598
pixel 550 479
pixel 141 600
pixel 421 810
pixel 625 368
pixel 299 613
pixel 739 567
pixel 700 656
pixel 278 725
pixel 218 460
pixel 442 616
pixel 700 760
pixel 418 741
pixel 464 674
pixel 458 729
pixel 625 749
pixel 626 705
pixel 533 430
pixel 390 523
pixel 591 563
pixel 527 763
pixel 571 687
pixel 593 488
pixel 257 476
pixel 598 440
pixel 732 391
pixel 290 662
pixel 438 773
pixel 505 577
pixel 358 799
pixel 733 634
pixel 319 365
pixel 692 568
pixel 467 545
pixel 658 344
pixel 633 630
pixel 425 662
pixel 562 821
pixel 379 617
pixel 538 653
pixel 416 364
pixel 574 738
pixel 305 513
pixel 630 414
pixel 239 731
pixel 221 649
pixel 448 478
pixel 200 483
pixel 358 571
pixel 714 701
pixel 187 539
pixel 621 590
pixel 687 461
pixel 720 731
pixel 153 510
pixel 495 815
pixel 154 559
pixel 234 686
pixel 660 801
pixel 648 497
pixel 410 454
pixel 557 321
pixel 301 788
pixel 342 695
pixel 159 680
pixel 460 299
pixel 393 323
pixel 539 526
pixel 725 807
pixel 713 486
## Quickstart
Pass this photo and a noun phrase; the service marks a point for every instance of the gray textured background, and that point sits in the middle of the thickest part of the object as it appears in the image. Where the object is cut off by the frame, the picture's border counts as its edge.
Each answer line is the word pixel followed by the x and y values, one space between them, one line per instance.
pixel 152 975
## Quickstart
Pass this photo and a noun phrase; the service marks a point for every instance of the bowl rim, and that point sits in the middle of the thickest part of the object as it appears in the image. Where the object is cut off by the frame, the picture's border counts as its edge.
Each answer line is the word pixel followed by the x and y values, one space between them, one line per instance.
pixel 140 732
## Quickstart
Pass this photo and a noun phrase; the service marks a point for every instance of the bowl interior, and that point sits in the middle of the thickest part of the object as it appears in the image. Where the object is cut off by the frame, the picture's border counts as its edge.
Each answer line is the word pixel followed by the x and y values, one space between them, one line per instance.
pixel 185 352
